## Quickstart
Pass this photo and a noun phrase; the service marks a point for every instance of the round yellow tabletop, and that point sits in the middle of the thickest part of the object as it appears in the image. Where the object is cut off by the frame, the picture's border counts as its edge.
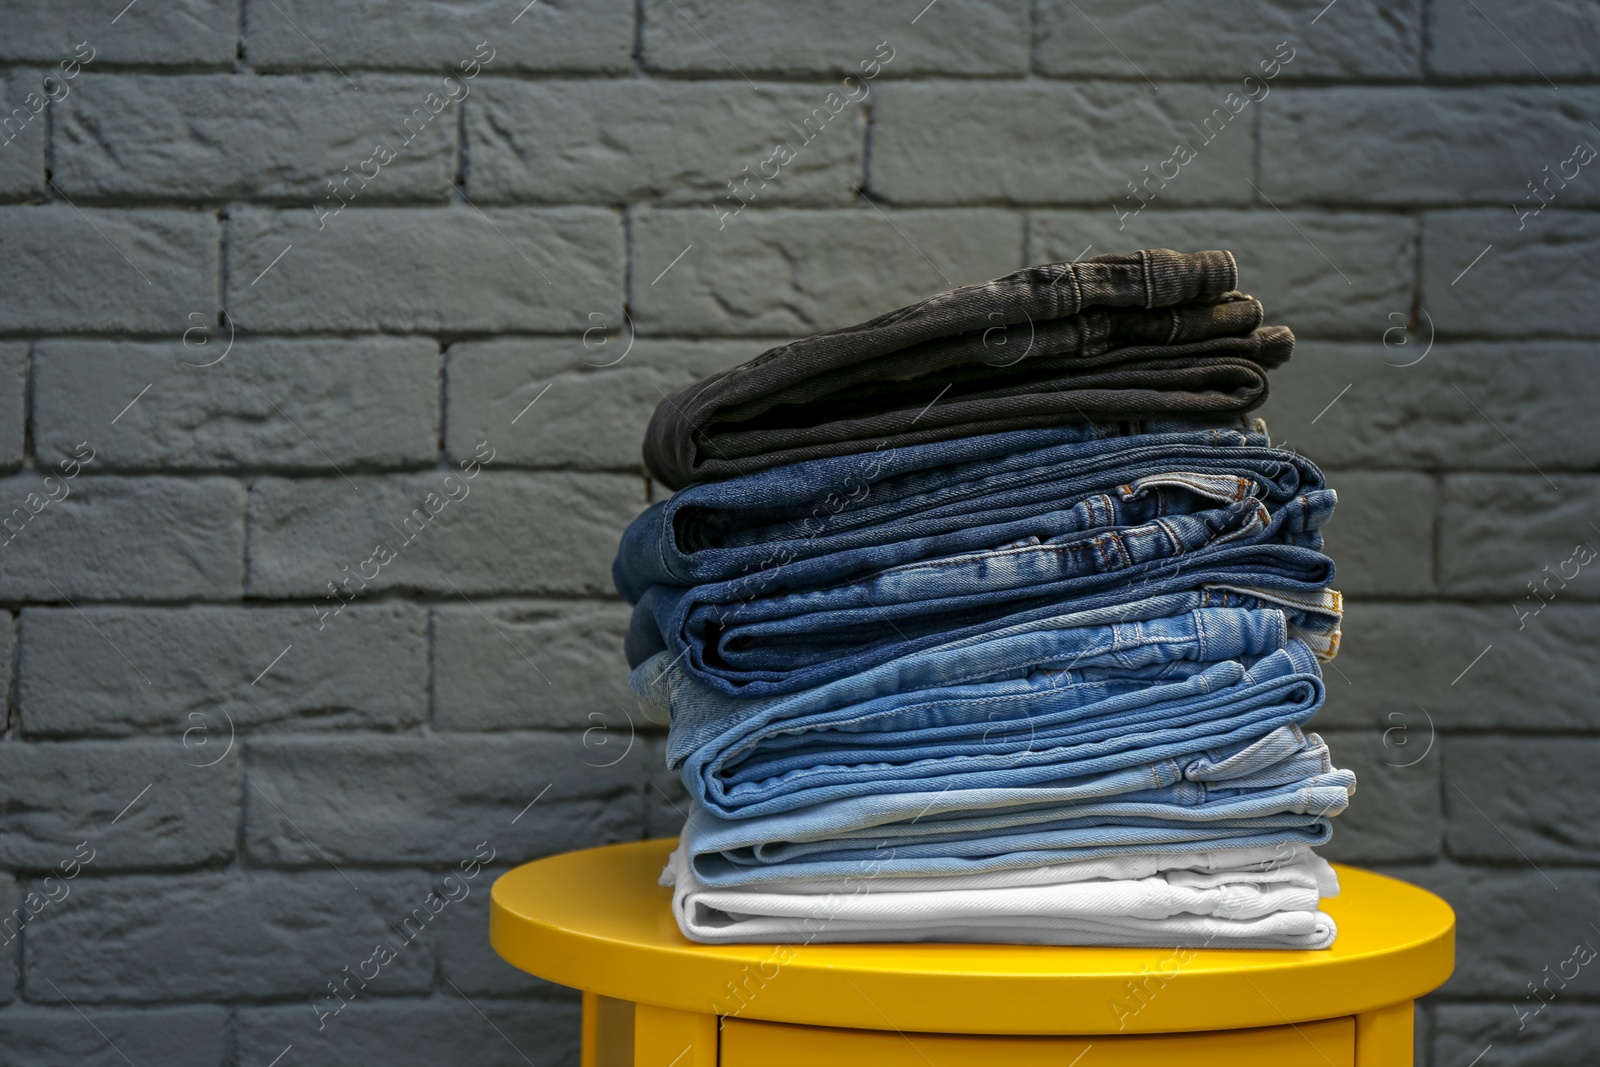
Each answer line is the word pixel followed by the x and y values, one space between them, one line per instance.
pixel 596 920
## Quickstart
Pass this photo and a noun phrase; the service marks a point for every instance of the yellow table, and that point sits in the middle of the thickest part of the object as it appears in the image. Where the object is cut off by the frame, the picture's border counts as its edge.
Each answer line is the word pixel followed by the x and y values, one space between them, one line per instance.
pixel 597 921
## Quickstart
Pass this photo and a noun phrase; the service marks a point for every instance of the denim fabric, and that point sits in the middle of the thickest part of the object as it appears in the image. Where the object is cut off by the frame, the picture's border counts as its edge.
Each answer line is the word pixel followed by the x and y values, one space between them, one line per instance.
pixel 1026 682
pixel 1204 868
pixel 783 643
pixel 1089 805
pixel 1157 763
pixel 1023 350
pixel 927 500
pixel 1142 744
pixel 1237 514
pixel 786 645
pixel 1056 904
pixel 1216 377
pixel 738 853
pixel 721 861
pixel 699 714
pixel 1042 731
pixel 1302 930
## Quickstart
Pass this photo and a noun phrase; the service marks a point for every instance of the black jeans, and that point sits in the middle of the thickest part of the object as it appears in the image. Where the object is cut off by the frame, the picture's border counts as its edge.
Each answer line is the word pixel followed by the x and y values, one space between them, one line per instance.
pixel 1147 334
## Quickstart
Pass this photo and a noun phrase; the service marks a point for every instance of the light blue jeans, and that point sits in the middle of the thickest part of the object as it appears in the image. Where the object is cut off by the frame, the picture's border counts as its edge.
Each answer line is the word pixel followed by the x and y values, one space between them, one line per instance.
pixel 1174 730
pixel 1267 799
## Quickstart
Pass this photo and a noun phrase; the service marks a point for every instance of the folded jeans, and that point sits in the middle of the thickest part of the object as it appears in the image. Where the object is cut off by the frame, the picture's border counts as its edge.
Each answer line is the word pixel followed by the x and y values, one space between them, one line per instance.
pixel 1121 898
pixel 1025 329
pixel 810 523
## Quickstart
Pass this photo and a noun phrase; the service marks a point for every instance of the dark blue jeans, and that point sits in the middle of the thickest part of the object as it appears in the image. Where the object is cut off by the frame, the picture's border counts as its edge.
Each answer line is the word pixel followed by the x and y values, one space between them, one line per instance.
pixel 1240 516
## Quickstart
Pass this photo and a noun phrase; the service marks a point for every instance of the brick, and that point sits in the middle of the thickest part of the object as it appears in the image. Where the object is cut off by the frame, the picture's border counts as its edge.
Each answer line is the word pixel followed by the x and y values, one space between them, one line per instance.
pixel 221 936
pixel 1394 815
pixel 552 35
pixel 10 943
pixel 134 803
pixel 1447 410
pixel 834 36
pixel 1366 39
pixel 1499 532
pixel 541 663
pixel 299 404
pixel 158 537
pixel 1368 272
pixel 433 799
pixel 674 142
pixel 1381 534
pixel 1464 666
pixel 497 269
pixel 187 32
pixel 1510 924
pixel 1563 1034
pixel 13 403
pixel 1461 146
pixel 603 390
pixel 1465 282
pixel 102 1037
pixel 147 268
pixel 1521 799
pixel 8 648
pixel 213 674
pixel 23 101
pixel 216 137
pixel 508 532
pixel 443 1029
pixel 937 143
pixel 1521 44
pixel 784 273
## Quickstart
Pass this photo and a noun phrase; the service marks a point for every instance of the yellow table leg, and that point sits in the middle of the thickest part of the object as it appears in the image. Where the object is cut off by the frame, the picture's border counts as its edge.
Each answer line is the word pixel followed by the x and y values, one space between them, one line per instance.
pixel 664 1037
pixel 589 1033
pixel 607 1032
pixel 1385 1037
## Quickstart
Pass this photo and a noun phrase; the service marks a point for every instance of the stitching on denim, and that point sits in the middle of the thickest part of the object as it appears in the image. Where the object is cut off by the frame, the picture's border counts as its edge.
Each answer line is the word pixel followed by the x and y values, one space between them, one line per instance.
pixel 930 706
pixel 1099 546
pixel 1028 477
pixel 1172 536
pixel 1031 477
pixel 670 515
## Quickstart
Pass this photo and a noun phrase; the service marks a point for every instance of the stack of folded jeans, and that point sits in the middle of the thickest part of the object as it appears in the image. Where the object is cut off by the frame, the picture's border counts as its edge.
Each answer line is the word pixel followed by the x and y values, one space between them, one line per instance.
pixel 995 619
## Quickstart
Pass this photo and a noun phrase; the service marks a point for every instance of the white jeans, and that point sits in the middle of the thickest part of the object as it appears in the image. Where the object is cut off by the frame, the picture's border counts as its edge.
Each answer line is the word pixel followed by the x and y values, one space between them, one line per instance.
pixel 1242 898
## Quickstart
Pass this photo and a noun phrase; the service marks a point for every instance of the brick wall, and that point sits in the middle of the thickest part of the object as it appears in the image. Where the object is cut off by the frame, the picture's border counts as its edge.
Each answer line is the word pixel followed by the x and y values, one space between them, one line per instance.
pixel 223 779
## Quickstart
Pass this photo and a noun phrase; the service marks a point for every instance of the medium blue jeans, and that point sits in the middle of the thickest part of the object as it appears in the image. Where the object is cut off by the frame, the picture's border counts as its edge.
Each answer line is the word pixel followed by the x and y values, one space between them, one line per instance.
pixel 786 644
pixel 929 500
pixel 1280 788
pixel 1008 709
pixel 699 713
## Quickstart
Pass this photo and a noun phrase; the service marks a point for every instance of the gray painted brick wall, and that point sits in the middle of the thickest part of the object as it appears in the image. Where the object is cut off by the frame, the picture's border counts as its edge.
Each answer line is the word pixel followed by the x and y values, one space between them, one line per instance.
pixel 245 347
